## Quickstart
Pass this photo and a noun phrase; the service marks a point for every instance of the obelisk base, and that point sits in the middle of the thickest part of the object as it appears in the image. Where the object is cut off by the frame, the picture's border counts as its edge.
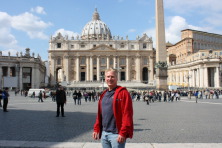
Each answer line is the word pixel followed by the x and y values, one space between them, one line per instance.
pixel 161 79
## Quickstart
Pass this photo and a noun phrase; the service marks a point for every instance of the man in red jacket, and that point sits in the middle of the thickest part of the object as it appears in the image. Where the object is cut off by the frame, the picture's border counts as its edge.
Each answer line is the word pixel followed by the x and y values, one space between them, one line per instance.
pixel 114 121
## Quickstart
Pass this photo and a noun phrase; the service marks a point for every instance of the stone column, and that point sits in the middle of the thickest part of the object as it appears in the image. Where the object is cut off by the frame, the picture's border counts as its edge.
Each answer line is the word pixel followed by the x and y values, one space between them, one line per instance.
pixel 91 68
pixel 8 74
pixel 127 68
pixel 67 63
pixel 21 79
pixel 161 55
pixel 206 77
pixel 114 62
pixel 35 78
pixel 190 75
pixel 151 75
pixel 177 77
pixel 198 78
pixel 118 67
pixel 201 77
pixel 87 68
pixel 138 69
pixel 181 78
pixel 193 78
pixel 77 69
pixel 216 79
pixel 107 62
pixel 98 68
pixel 52 71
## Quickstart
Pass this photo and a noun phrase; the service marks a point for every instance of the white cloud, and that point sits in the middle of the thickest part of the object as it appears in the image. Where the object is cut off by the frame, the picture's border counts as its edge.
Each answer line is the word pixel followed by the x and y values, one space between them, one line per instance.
pixel 131 30
pixel 26 22
pixel 65 32
pixel 173 31
pixel 6 38
pixel 38 9
pixel 181 6
pixel 30 24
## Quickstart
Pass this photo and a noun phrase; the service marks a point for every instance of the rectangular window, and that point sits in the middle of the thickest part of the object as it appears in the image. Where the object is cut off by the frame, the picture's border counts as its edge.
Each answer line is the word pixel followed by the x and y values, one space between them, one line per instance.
pixel 122 46
pixel 132 46
pixel 72 46
pixel 103 61
pixel 82 46
pixel 144 45
pixel 83 61
pixel 122 61
pixel 145 61
pixel 59 45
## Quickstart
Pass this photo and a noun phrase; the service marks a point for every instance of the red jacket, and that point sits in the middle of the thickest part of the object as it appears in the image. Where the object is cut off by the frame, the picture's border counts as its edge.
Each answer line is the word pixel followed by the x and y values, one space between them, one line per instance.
pixel 123 113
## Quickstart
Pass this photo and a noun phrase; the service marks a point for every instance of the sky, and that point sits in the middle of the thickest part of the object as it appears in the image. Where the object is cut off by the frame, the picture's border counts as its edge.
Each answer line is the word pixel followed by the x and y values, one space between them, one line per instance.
pixel 31 23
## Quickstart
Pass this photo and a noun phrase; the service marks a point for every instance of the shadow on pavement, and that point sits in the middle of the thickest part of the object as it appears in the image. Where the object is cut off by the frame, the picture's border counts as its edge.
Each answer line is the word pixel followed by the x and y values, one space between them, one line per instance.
pixel 29 125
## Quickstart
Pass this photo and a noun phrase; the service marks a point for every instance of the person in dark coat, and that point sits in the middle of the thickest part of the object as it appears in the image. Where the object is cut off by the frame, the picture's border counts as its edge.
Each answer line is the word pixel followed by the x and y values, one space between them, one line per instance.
pixel 0 98
pixel 5 96
pixel 40 96
pixel 75 96
pixel 60 100
pixel 79 98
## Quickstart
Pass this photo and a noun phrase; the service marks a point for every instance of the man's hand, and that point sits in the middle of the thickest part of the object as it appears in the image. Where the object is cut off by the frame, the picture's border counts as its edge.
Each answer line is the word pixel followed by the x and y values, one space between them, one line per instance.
pixel 95 136
pixel 121 139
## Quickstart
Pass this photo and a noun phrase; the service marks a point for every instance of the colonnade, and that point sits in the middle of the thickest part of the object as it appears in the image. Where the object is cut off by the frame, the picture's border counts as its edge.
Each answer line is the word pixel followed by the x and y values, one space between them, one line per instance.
pixel 132 69
pixel 195 77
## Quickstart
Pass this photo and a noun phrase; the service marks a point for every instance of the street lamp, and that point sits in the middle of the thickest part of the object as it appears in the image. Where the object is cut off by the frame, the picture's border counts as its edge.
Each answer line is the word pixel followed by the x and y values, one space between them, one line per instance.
pixel 102 77
pixel 188 77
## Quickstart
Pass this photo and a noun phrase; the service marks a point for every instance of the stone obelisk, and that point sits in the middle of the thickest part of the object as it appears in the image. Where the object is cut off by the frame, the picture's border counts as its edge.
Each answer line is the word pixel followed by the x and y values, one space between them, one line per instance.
pixel 161 54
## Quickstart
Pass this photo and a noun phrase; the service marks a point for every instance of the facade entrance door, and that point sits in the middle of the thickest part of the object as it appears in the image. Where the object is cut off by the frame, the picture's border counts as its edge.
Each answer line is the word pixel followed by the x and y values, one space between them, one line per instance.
pixel 122 76
pixel 83 76
pixel 145 75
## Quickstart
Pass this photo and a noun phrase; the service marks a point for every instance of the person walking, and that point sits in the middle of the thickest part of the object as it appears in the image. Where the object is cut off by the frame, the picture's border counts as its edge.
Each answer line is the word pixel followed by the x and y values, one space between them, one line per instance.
pixel 40 96
pixel 165 96
pixel 0 98
pixel 196 95
pixel 114 122
pixel 60 101
pixel 75 95
pixel 5 96
pixel 79 97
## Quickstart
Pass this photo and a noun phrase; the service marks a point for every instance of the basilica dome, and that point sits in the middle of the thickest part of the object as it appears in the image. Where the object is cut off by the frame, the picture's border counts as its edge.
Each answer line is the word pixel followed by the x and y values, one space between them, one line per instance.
pixel 96 29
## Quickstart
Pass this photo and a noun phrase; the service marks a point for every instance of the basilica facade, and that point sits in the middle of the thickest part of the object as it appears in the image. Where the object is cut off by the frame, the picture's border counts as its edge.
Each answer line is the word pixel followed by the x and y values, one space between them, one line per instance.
pixel 85 58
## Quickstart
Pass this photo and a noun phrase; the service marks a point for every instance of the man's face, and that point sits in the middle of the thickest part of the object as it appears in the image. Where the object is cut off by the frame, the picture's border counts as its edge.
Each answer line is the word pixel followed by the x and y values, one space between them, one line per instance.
pixel 111 79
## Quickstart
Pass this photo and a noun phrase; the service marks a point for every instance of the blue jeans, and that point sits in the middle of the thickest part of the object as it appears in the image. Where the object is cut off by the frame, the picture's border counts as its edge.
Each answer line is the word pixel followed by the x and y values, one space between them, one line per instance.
pixel 109 140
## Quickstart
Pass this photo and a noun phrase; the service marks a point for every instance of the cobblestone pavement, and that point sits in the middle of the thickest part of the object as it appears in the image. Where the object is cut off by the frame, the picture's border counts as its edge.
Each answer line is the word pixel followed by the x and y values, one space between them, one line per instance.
pixel 184 121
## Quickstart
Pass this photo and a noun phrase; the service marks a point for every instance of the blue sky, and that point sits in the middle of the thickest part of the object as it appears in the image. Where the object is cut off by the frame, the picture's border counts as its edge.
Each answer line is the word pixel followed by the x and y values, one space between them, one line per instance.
pixel 30 23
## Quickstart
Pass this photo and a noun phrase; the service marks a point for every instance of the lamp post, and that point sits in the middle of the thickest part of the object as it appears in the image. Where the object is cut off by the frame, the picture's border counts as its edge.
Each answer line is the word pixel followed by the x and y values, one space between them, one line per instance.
pixel 188 77
pixel 102 77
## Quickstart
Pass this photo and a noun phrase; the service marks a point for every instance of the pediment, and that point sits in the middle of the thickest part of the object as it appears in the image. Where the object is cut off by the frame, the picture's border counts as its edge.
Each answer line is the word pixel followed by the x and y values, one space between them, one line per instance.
pixel 145 38
pixel 103 48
